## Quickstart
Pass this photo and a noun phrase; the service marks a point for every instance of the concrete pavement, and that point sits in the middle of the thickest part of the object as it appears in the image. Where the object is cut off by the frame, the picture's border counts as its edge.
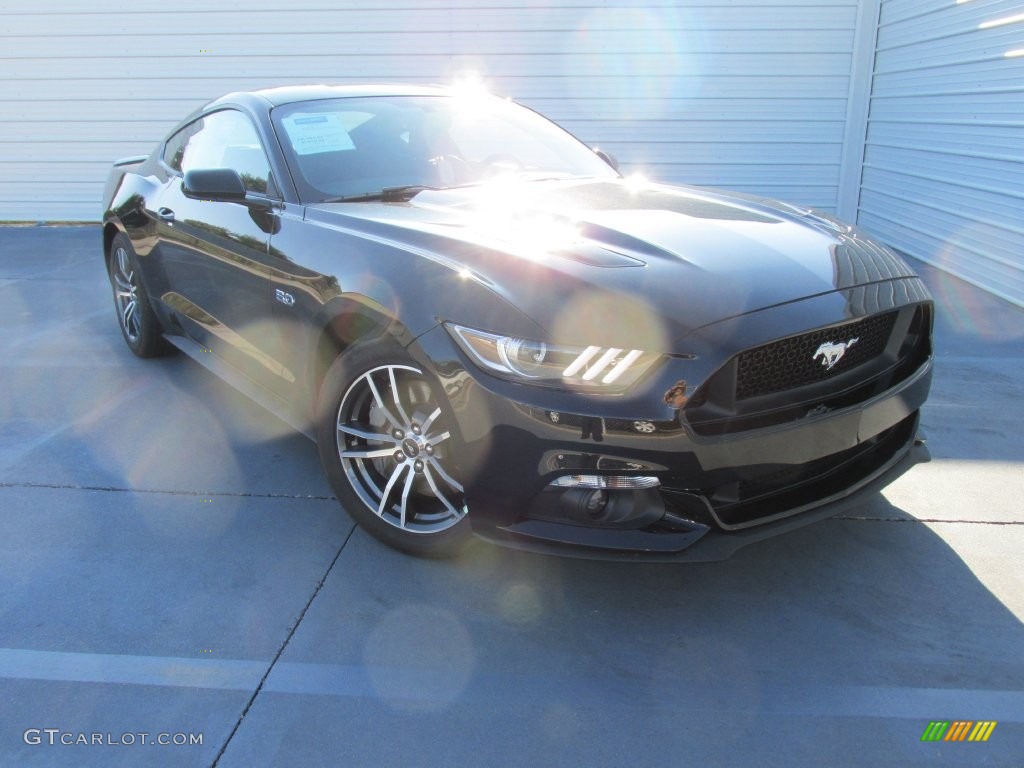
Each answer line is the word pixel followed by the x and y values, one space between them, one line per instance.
pixel 173 564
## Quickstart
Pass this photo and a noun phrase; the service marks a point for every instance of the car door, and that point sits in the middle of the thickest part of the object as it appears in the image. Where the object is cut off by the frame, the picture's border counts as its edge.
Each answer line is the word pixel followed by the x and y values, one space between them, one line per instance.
pixel 215 253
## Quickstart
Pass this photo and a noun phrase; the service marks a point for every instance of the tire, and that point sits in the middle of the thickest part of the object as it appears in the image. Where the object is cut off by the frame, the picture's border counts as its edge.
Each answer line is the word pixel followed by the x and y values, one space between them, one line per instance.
pixel 139 325
pixel 385 439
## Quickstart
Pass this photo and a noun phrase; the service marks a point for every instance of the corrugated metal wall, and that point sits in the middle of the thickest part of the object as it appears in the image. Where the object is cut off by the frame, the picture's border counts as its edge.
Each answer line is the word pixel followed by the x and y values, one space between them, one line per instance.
pixel 943 176
pixel 747 94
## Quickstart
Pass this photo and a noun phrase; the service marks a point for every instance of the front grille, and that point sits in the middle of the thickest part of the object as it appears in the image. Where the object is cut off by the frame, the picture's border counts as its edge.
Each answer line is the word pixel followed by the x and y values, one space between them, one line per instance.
pixel 782 381
pixel 791 363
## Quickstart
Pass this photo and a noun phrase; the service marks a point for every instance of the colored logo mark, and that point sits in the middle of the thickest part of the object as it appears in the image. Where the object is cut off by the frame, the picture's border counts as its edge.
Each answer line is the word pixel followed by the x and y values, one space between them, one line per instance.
pixel 958 730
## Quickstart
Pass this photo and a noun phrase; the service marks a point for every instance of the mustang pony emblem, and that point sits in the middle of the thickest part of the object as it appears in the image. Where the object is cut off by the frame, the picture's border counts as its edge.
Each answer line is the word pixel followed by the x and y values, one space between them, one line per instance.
pixel 833 353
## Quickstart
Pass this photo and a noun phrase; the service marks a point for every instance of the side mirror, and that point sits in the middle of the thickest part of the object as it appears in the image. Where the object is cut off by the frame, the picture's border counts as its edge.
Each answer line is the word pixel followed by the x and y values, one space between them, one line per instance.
pixel 214 184
pixel 608 157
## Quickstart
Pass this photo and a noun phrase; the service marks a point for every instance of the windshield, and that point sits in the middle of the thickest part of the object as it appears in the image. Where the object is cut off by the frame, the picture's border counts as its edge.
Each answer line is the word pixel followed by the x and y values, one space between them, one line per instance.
pixel 351 147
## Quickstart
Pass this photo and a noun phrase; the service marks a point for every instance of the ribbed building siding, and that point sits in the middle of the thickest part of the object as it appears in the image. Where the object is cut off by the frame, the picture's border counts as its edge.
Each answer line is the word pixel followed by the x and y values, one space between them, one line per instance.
pixel 943 175
pixel 744 94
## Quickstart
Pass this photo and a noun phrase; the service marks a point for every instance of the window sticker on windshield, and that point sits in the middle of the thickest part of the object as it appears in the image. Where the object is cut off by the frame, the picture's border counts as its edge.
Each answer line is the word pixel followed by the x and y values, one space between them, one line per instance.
pixel 311 134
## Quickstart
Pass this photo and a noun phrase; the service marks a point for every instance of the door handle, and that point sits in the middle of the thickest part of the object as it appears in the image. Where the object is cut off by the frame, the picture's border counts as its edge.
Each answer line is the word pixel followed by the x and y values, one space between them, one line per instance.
pixel 166 214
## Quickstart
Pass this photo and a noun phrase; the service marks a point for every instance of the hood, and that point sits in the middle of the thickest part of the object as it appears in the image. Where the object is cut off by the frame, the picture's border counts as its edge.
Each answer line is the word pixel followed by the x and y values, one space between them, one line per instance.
pixel 582 256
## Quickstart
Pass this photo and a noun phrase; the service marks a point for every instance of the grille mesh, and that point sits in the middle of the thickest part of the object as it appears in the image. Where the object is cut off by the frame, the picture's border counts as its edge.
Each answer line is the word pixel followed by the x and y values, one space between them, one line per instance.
pixel 790 363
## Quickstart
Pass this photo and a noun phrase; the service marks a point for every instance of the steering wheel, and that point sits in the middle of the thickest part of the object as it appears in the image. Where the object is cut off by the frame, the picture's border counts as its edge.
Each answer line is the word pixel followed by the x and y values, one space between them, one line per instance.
pixel 452 169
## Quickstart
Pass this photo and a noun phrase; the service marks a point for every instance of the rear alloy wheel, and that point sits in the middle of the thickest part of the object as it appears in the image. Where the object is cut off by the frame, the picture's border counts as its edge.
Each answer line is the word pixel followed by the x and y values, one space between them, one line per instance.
pixel 386 443
pixel 139 325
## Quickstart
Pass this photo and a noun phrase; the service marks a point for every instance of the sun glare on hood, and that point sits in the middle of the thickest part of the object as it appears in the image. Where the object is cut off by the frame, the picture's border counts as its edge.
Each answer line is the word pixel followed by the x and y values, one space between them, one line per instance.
pixel 505 211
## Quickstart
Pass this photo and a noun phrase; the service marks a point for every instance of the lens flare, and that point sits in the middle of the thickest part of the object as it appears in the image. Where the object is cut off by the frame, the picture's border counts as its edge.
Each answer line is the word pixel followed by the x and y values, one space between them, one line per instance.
pixel 419 658
pixel 651 63
pixel 621 320
pixel 967 308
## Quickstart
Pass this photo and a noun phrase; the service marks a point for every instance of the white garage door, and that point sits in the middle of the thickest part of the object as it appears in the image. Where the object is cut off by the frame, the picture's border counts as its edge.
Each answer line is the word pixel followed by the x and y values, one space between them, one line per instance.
pixel 750 95
pixel 943 175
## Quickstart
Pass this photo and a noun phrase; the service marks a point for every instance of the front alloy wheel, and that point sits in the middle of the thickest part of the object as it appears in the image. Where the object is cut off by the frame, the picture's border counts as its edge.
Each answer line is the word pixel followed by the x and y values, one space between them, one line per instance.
pixel 393 455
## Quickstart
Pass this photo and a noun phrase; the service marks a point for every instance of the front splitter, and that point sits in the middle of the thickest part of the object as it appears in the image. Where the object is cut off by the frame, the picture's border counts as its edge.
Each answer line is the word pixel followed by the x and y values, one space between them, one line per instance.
pixel 699 545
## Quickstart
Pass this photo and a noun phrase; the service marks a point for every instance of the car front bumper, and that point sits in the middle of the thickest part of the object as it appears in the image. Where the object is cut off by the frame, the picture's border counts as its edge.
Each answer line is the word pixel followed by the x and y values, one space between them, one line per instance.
pixel 716 493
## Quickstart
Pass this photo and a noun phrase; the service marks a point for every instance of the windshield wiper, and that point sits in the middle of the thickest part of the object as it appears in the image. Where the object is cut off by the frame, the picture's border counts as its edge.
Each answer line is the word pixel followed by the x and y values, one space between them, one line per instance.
pixel 386 195
pixel 408 191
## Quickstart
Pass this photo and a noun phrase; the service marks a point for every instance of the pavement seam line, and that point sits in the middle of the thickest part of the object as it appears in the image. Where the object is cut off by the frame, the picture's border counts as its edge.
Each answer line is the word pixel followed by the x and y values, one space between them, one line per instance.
pixel 284 645
pixel 116 489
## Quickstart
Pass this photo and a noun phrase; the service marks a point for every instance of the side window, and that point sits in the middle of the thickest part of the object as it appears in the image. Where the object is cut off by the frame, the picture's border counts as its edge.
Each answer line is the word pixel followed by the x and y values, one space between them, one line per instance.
pixel 223 139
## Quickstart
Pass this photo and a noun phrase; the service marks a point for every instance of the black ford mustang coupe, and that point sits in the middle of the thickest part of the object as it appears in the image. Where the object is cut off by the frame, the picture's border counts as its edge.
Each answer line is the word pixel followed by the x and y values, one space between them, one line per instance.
pixel 486 328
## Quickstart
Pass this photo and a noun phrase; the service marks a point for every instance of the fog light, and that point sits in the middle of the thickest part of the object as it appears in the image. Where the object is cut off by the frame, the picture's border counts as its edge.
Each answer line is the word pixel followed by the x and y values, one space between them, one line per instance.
pixel 606 482
pixel 594 503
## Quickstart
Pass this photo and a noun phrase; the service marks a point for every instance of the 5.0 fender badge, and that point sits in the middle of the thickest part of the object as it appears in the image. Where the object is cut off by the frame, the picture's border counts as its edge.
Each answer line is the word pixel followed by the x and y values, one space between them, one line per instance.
pixel 832 353
pixel 284 297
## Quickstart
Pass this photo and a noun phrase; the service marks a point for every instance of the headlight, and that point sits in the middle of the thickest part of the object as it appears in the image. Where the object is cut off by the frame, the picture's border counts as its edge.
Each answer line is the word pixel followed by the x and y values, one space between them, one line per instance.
pixel 602 369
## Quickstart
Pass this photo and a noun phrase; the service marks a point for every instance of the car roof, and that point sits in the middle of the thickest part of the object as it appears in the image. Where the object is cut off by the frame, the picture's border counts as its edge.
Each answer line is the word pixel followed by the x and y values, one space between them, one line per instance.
pixel 292 93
